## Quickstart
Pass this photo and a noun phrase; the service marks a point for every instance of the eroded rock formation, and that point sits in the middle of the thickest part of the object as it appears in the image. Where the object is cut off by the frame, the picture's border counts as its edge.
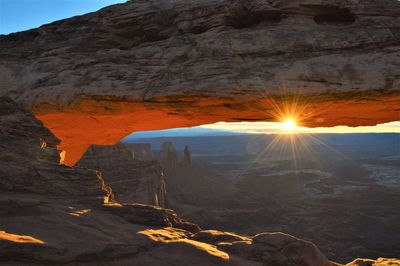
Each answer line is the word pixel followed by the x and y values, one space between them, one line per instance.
pixel 263 249
pixel 62 219
pixel 29 161
pixel 169 155
pixel 141 151
pixel 158 64
pixel 132 179
pixel 187 157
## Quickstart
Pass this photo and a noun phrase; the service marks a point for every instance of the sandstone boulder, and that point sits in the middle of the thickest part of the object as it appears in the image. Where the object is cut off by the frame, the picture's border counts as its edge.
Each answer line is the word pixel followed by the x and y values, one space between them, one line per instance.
pixel 277 249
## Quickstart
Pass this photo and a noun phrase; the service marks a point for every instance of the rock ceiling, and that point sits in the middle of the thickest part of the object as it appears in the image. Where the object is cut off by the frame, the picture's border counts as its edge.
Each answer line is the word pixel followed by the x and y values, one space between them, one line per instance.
pixel 158 64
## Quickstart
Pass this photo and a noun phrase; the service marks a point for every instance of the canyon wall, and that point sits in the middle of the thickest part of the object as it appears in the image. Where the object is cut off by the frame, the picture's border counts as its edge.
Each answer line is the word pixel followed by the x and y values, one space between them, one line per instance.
pixel 145 65
pixel 131 178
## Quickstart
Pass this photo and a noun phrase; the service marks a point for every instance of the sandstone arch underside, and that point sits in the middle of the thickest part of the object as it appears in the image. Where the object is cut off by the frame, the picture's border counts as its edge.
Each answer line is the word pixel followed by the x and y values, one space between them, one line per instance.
pixel 143 65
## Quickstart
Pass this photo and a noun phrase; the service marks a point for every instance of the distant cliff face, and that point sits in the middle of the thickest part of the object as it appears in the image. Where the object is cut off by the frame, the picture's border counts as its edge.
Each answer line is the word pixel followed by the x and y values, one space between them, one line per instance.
pixel 187 157
pixel 130 171
pixel 169 155
pixel 170 159
pixel 140 151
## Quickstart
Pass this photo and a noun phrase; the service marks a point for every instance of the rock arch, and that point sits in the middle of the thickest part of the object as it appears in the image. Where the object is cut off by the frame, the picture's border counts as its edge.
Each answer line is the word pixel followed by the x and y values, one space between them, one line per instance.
pixel 146 65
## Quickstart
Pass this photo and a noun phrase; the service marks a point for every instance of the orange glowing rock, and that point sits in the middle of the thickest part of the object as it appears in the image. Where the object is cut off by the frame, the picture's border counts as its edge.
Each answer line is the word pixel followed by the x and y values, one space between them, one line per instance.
pixel 228 63
pixel 171 235
pixel 89 123
pixel 19 238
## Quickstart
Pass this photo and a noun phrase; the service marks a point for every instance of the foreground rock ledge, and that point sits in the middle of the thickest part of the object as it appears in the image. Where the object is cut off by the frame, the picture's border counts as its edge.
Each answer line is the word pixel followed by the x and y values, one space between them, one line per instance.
pixel 156 64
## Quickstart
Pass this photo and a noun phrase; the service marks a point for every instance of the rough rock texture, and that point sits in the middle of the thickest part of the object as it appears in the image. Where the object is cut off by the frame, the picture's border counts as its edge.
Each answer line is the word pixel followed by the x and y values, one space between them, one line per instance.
pixel 60 219
pixel 277 249
pixel 169 155
pixel 150 215
pixel 377 262
pixel 158 64
pixel 141 151
pixel 29 161
pixel 132 180
pixel 214 237
pixel 187 157
pixel 35 230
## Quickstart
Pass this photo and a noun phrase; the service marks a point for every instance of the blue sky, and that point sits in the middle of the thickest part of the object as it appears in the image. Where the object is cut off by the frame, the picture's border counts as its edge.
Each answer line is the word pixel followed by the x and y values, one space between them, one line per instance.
pixel 20 15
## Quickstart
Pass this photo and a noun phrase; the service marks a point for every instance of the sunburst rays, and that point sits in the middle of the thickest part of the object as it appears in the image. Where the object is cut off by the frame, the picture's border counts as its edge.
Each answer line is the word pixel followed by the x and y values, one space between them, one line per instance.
pixel 292 111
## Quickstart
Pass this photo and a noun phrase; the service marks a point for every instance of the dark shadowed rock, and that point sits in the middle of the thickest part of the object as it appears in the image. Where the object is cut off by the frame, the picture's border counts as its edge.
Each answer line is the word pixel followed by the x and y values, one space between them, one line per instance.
pixel 132 179
pixel 267 248
pixel 281 249
pixel 187 157
pixel 141 151
pixel 247 251
pixel 29 160
pixel 169 156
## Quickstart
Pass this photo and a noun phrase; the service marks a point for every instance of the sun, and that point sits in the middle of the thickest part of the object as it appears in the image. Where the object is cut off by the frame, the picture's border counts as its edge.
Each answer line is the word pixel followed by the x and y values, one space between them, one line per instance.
pixel 289 125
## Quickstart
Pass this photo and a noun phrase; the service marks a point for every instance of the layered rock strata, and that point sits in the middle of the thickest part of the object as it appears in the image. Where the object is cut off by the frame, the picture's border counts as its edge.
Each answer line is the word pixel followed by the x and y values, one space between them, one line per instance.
pixel 187 157
pixel 30 161
pixel 141 151
pixel 169 155
pixel 131 179
pixel 145 65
